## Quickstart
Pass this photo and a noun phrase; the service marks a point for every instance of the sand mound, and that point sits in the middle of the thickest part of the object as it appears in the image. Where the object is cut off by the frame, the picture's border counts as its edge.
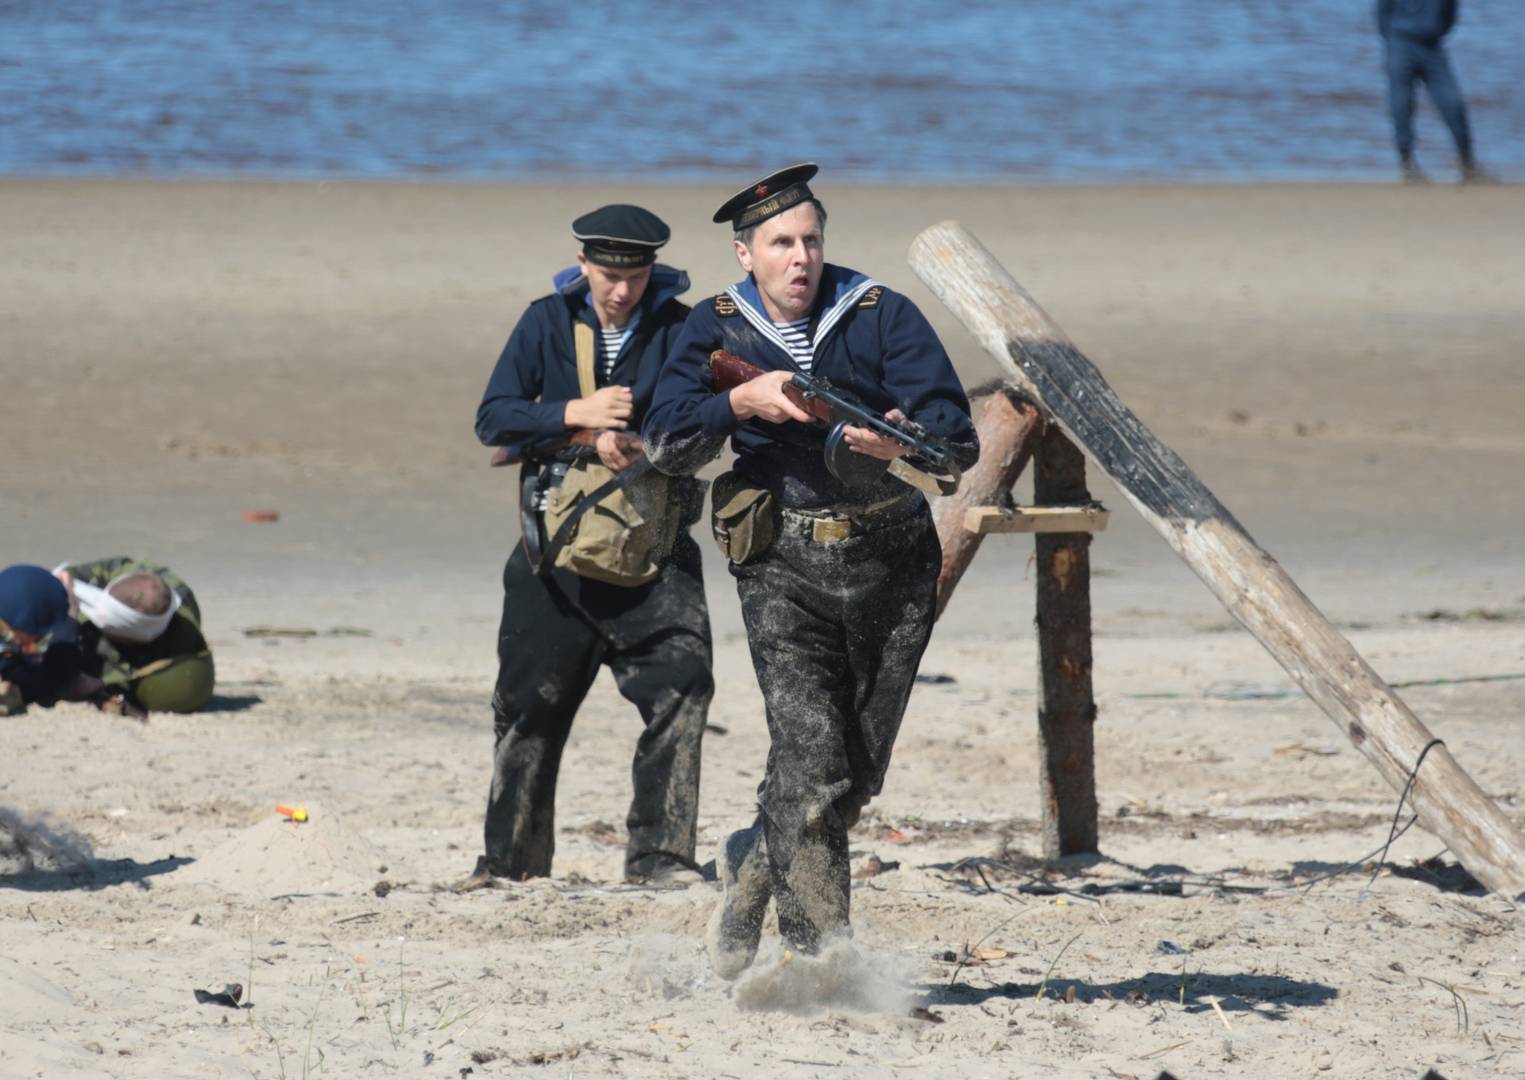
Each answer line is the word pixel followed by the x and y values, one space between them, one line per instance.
pixel 278 856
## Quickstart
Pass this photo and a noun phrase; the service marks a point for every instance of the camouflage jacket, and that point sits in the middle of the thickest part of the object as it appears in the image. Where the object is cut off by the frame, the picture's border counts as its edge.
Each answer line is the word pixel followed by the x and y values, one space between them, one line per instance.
pixel 118 664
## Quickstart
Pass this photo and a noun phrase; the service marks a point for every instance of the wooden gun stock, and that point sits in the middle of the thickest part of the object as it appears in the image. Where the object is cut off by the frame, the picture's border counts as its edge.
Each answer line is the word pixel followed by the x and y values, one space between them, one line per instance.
pixel 729 371
pixel 513 455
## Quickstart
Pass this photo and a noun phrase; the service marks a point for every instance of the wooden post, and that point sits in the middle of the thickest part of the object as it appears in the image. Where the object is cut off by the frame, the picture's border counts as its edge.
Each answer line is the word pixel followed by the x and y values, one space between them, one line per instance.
pixel 1008 427
pixel 1253 587
pixel 1066 710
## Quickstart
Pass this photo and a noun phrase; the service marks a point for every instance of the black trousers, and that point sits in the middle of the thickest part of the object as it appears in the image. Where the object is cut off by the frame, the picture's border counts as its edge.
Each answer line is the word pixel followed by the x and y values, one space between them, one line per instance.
pixel 655 640
pixel 837 632
pixel 1409 62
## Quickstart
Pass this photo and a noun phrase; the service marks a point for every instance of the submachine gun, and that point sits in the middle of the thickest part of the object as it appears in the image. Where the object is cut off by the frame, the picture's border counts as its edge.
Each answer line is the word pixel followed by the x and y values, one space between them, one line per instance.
pixel 928 466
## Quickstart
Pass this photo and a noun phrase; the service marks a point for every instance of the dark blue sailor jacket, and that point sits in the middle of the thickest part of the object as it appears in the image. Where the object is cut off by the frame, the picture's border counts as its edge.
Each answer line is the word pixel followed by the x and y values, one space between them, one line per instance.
pixel 536 375
pixel 868 340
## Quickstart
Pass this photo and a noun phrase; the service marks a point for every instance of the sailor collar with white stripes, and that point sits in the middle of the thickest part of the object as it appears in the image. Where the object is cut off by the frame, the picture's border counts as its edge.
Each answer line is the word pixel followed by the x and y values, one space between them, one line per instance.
pixel 829 317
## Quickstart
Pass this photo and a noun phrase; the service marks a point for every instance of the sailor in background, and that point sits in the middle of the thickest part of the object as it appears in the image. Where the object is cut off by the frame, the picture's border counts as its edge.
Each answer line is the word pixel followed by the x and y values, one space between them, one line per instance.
pixel 560 625
pixel 837 580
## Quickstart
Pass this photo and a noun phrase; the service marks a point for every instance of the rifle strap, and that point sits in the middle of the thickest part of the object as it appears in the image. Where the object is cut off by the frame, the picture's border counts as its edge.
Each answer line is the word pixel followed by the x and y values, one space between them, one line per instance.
pixel 582 337
pixel 544 566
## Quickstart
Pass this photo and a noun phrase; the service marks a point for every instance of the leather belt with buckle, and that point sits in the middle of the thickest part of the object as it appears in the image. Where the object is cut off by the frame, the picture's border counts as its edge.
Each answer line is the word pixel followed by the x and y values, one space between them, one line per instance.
pixel 827 527
pixel 830 530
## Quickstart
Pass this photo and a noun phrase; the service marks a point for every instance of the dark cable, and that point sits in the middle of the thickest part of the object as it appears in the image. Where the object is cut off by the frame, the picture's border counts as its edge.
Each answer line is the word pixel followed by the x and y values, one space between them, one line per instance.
pixel 1348 867
pixel 1392 833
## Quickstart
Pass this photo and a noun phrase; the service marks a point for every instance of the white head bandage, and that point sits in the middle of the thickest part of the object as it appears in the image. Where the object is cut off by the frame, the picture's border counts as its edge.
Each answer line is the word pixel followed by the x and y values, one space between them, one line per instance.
pixel 116 619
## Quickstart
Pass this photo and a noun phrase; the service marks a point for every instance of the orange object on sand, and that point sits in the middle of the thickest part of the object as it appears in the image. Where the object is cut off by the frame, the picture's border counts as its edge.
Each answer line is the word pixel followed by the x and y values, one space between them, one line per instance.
pixel 261 515
pixel 295 813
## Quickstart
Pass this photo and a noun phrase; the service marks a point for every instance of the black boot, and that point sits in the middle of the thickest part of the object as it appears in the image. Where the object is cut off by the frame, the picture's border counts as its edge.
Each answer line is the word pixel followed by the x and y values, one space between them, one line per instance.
pixel 736 926
pixel 483 877
pixel 664 868
pixel 1412 173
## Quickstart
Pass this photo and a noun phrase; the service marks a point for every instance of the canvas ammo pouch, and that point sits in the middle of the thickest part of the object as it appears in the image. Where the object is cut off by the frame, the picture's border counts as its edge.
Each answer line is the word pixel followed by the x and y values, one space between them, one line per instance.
pixel 745 518
pixel 624 537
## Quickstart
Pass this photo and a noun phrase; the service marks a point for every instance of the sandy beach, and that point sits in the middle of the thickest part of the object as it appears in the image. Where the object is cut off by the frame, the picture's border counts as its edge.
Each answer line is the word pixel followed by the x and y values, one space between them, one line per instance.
pixel 1340 364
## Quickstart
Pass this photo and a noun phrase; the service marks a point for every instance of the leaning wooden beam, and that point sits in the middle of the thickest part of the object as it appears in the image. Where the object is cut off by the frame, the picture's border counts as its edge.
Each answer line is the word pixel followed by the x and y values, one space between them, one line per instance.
pixel 1256 590
pixel 1035 519
pixel 1008 427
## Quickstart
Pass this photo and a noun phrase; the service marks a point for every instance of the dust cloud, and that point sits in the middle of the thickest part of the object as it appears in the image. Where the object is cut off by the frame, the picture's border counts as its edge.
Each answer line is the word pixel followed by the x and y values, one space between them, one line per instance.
pixel 35 842
pixel 841 976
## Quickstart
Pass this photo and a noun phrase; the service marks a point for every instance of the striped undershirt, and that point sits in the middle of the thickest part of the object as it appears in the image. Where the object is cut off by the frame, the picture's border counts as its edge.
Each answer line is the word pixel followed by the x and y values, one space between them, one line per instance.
pixel 610 342
pixel 796 335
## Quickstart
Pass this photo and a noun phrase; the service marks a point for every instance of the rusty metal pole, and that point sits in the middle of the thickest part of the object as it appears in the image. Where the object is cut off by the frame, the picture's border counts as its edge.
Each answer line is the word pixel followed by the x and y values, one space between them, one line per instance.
pixel 1066 709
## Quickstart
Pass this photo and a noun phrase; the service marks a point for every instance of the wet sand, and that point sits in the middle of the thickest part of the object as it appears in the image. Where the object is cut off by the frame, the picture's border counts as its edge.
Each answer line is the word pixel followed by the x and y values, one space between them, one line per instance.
pixel 1339 364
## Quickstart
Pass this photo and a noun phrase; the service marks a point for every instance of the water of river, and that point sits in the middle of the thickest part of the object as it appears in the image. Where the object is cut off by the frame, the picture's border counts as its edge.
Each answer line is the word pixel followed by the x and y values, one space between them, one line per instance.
pixel 1071 90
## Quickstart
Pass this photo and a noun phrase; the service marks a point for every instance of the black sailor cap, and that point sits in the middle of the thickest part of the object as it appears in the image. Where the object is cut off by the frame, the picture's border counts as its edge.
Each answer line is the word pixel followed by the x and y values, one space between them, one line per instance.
pixel 773 194
pixel 621 236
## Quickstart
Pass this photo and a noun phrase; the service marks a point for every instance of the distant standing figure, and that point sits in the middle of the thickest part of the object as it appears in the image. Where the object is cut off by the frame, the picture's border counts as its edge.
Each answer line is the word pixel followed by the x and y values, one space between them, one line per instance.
pixel 1413 31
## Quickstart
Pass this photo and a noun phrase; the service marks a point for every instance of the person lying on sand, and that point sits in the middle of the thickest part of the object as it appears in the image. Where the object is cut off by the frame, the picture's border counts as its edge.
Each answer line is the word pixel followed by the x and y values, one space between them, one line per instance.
pixel 40 660
pixel 140 633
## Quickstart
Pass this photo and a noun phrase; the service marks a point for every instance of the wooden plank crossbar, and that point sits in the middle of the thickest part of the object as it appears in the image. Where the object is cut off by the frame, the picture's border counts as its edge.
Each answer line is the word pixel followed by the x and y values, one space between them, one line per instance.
pixel 1090 518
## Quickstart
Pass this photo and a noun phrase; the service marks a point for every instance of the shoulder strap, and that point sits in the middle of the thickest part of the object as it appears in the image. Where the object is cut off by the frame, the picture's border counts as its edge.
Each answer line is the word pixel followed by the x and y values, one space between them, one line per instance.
pixel 582 336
